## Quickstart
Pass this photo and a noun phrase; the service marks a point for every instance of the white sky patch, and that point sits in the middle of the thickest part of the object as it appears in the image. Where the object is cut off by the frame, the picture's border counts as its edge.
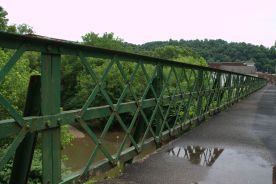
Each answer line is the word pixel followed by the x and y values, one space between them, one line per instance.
pixel 140 21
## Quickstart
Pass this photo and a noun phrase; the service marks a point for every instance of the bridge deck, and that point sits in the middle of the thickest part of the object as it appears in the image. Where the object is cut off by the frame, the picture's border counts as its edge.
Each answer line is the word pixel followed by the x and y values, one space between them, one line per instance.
pixel 236 146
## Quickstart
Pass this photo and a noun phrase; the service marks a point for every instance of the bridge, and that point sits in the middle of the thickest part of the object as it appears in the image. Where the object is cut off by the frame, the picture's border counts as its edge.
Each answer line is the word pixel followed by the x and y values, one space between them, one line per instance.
pixel 155 101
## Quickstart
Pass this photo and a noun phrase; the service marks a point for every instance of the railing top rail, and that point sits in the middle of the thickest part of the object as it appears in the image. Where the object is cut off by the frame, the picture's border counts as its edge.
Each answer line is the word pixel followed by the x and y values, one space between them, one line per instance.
pixel 57 46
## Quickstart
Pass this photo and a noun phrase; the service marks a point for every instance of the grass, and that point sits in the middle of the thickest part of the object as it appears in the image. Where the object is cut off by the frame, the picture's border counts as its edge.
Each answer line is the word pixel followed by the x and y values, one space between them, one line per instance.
pixel 112 173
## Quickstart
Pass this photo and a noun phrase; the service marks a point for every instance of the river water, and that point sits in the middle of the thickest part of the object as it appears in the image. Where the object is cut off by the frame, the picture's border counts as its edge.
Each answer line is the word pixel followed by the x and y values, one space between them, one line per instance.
pixel 82 146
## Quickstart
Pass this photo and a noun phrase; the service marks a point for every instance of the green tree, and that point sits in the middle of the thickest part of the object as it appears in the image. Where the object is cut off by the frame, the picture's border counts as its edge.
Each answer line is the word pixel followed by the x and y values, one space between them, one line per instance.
pixel 3 19
pixel 20 29
pixel 178 53
pixel 24 29
pixel 75 82
pixel 221 51
pixel 12 88
pixel 107 40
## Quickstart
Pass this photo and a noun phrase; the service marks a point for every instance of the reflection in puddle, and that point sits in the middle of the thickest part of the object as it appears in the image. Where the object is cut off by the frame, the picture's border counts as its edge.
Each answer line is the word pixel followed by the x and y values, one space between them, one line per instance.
pixel 225 165
pixel 197 155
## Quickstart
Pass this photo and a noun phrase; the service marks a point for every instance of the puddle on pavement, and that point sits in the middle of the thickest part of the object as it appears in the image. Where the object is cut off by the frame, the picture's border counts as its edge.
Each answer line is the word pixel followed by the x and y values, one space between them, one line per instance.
pixel 197 155
pixel 227 165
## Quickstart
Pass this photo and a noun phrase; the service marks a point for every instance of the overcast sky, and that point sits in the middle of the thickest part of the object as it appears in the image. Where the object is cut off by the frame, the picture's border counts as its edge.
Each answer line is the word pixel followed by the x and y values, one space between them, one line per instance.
pixel 140 21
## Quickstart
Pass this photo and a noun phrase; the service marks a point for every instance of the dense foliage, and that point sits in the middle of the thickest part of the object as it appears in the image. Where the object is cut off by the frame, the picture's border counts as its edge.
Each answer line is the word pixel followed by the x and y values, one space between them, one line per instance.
pixel 4 26
pixel 77 84
pixel 222 51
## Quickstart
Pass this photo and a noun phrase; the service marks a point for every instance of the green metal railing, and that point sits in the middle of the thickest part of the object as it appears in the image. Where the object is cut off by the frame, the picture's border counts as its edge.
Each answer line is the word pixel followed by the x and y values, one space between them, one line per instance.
pixel 172 96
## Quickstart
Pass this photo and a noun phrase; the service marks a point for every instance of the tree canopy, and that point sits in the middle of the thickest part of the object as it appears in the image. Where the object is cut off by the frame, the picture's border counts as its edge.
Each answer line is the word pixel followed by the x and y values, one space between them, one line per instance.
pixel 4 25
pixel 222 51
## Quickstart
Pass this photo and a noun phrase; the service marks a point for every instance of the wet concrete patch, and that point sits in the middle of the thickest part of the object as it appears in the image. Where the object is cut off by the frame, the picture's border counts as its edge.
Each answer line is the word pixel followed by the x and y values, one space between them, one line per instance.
pixel 227 165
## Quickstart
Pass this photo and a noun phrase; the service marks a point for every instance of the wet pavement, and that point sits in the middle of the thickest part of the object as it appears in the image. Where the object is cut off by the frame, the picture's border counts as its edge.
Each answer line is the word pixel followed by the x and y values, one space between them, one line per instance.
pixel 236 146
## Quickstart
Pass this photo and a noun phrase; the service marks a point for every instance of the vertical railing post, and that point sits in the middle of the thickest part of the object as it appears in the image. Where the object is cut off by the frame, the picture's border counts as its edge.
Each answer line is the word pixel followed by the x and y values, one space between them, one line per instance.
pixel 255 85
pixel 236 87
pixel 240 87
pixel 218 89
pixel 212 96
pixel 250 86
pixel 199 92
pixel 229 88
pixel 158 85
pixel 225 87
pixel 50 105
pixel 24 153
pixel 244 85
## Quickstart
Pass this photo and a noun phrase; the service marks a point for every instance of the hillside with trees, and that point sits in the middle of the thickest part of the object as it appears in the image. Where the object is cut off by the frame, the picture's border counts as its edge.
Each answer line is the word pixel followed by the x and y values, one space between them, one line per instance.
pixel 222 51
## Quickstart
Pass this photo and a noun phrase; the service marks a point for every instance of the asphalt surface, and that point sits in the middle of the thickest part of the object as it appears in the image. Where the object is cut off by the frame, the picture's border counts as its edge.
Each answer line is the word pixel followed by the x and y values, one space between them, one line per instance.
pixel 235 146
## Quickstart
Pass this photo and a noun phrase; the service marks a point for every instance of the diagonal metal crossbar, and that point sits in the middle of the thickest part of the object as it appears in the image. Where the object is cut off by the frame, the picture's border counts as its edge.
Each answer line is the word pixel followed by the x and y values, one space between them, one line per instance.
pixel 162 98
